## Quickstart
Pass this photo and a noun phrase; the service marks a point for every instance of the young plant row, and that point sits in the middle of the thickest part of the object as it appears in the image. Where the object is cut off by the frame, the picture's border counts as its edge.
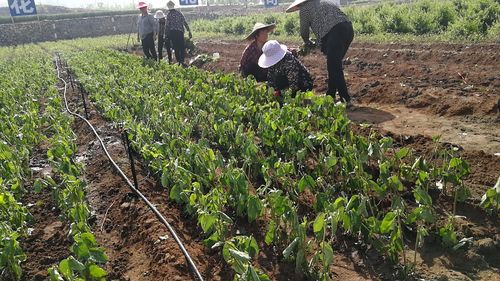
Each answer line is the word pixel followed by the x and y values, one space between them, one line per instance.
pixel 24 90
pixel 225 149
pixel 68 190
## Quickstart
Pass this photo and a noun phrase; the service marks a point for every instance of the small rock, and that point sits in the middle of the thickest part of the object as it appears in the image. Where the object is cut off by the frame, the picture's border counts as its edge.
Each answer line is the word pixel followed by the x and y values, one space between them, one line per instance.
pixel 125 205
pixel 177 278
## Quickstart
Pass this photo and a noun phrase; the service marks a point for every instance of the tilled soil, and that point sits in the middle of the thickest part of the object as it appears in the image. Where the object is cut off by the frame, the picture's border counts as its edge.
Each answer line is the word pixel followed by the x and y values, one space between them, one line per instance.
pixel 47 243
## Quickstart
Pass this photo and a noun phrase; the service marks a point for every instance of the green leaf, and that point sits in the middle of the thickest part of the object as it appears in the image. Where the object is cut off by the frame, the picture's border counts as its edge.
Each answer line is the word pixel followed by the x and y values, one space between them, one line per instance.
pixel 327 253
pixel 331 161
pixel 211 154
pixel 422 197
pixel 270 233
pixel 455 162
pixel 65 269
pixel 387 223
pixel 239 255
pixel 54 275
pixel 402 153
pixel 98 255
pixel 254 208
pixel 206 221
pixel 165 178
pixel 319 223
pixel 96 272
pixel 75 264
pixel 288 251
pixel 306 181
pixel 37 186
pixel 463 193
pixel 353 202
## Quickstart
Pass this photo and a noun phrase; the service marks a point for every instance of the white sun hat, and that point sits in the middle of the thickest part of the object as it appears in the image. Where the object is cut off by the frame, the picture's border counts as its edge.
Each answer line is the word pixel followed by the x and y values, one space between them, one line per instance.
pixel 272 53
pixel 170 5
pixel 295 6
pixel 159 14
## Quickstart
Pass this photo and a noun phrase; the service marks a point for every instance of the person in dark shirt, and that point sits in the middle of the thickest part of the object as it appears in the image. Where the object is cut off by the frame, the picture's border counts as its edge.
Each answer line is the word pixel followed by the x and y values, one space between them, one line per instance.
pixel 285 71
pixel 249 59
pixel 334 32
pixel 162 39
pixel 175 32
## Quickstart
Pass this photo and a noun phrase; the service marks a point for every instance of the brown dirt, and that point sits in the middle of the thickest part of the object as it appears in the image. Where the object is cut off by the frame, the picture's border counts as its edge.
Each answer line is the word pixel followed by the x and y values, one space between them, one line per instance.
pixel 48 243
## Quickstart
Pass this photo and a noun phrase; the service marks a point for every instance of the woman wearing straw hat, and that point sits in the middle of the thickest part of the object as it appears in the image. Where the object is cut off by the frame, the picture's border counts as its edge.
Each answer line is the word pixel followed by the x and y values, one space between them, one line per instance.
pixel 147 29
pixel 334 32
pixel 284 69
pixel 175 31
pixel 162 40
pixel 250 57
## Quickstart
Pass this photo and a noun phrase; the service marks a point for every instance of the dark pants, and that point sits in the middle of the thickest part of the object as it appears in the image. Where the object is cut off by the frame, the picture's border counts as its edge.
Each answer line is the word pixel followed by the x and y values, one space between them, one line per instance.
pixel 148 46
pixel 164 42
pixel 168 46
pixel 259 73
pixel 282 84
pixel 160 47
pixel 334 46
pixel 177 39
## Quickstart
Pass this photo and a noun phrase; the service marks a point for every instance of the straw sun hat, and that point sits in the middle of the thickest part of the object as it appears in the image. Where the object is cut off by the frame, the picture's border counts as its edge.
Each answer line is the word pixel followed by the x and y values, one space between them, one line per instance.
pixel 272 53
pixel 295 5
pixel 159 14
pixel 258 26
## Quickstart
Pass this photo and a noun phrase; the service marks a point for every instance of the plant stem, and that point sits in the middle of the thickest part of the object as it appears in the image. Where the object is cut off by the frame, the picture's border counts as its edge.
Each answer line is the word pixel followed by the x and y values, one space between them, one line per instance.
pixel 402 239
pixel 416 247
pixel 455 199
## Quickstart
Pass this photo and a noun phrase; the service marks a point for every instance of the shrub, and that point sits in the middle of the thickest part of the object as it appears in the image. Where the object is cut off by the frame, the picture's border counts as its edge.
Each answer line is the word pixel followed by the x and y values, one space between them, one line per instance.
pixel 445 15
pixel 291 26
pixel 239 28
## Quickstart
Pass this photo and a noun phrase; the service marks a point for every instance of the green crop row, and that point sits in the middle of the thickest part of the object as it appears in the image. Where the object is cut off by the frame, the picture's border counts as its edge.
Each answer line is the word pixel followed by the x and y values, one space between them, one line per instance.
pixel 69 193
pixel 31 111
pixel 449 19
pixel 24 90
pixel 224 149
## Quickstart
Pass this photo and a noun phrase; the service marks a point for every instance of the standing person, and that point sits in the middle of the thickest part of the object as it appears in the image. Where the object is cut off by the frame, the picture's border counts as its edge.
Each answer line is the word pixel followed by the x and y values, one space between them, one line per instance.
pixel 284 69
pixel 250 57
pixel 147 30
pixel 334 32
pixel 175 30
pixel 160 17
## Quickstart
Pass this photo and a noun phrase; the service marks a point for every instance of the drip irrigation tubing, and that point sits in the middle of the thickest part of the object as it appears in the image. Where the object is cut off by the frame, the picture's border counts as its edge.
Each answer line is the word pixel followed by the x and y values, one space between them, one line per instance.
pixel 129 183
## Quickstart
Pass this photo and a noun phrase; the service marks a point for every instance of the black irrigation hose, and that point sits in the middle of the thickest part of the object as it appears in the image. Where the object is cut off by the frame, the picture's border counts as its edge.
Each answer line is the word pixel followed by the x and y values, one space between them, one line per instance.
pixel 131 186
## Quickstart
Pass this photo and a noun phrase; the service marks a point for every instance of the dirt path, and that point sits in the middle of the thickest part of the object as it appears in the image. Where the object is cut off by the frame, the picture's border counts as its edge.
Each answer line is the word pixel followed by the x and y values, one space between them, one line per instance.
pixel 47 243
pixel 439 89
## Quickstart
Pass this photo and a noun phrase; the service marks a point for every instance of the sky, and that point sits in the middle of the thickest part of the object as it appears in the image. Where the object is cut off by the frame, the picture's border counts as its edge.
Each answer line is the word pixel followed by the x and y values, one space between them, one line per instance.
pixel 84 4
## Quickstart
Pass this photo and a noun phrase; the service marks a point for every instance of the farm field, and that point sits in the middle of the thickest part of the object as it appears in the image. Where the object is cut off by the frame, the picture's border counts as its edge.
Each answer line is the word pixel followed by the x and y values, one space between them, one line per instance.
pixel 403 186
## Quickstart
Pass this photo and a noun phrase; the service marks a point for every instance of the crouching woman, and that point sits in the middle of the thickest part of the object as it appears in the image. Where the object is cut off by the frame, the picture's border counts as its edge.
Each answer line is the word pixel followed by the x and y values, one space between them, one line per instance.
pixel 285 71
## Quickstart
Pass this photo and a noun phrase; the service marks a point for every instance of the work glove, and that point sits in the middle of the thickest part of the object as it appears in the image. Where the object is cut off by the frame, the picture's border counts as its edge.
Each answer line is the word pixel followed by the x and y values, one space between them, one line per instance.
pixel 190 35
